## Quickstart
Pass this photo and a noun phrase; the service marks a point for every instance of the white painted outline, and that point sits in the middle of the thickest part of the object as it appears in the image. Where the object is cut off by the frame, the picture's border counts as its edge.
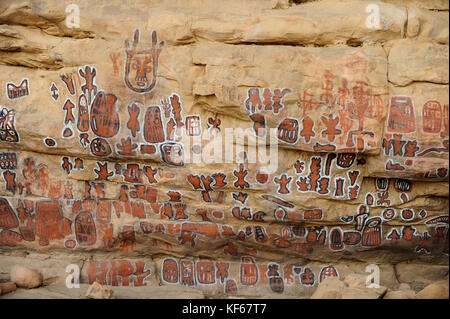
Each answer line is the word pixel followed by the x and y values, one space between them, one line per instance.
pixel 199 124
pixel 74 247
pixel 296 135
pixel 339 229
pixel 51 92
pixel 162 271
pixel 48 137
pixel 93 222
pixel 214 274
pixel 67 127
pixel 300 277
pixel 20 84
pixel 193 272
pixel 408 219
pixel 253 263
pixel 385 211
pixel 325 267
pixel 278 186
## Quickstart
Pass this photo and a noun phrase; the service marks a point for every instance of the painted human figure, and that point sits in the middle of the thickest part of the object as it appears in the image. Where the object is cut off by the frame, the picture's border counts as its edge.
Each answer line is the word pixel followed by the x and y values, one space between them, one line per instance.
pixel 357 112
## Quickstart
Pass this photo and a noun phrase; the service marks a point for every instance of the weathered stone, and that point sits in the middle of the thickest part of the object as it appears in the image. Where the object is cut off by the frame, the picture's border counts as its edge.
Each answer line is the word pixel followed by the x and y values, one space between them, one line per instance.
pixel 306 24
pixel 327 294
pixel 404 286
pixel 97 291
pixel 411 61
pixel 330 288
pixel 25 277
pixel 355 281
pixel 435 290
pixel 420 275
pixel 427 25
pixel 6 287
pixel 116 159
pixel 425 4
pixel 400 294
pixel 60 291
pixel 418 149
pixel 363 293
pixel 51 265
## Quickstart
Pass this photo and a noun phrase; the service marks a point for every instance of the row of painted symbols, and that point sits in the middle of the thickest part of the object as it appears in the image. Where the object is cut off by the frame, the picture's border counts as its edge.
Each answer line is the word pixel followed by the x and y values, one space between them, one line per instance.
pixel 207 272
pixel 210 185
pixel 35 179
pixel 354 104
pixel 140 201
pixel 92 221
pixel 401 121
pixel 97 112
pixel 197 273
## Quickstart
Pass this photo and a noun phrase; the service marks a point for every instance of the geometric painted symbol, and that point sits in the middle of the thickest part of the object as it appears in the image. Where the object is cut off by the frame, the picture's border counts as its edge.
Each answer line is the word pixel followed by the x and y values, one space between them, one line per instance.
pixel 153 126
pixel 288 130
pixel 401 116
pixel 432 117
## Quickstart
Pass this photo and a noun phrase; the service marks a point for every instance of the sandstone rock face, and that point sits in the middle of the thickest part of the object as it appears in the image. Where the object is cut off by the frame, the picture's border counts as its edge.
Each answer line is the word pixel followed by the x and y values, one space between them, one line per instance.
pixel 97 291
pixel 436 290
pixel 352 287
pixel 418 276
pixel 6 287
pixel 400 294
pixel 237 149
pixel 330 288
pixel 25 277
pixel 407 64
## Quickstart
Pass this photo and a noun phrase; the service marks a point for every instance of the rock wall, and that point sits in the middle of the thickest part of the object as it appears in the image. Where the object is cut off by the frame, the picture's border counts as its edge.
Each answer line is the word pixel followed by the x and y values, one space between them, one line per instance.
pixel 251 148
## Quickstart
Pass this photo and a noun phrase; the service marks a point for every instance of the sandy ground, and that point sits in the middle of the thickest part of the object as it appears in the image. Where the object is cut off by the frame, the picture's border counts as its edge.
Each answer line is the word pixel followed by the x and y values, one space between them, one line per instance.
pixel 60 291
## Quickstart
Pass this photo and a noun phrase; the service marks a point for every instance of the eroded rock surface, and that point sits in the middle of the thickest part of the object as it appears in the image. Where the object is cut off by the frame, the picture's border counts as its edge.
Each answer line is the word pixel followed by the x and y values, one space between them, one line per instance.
pixel 251 149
